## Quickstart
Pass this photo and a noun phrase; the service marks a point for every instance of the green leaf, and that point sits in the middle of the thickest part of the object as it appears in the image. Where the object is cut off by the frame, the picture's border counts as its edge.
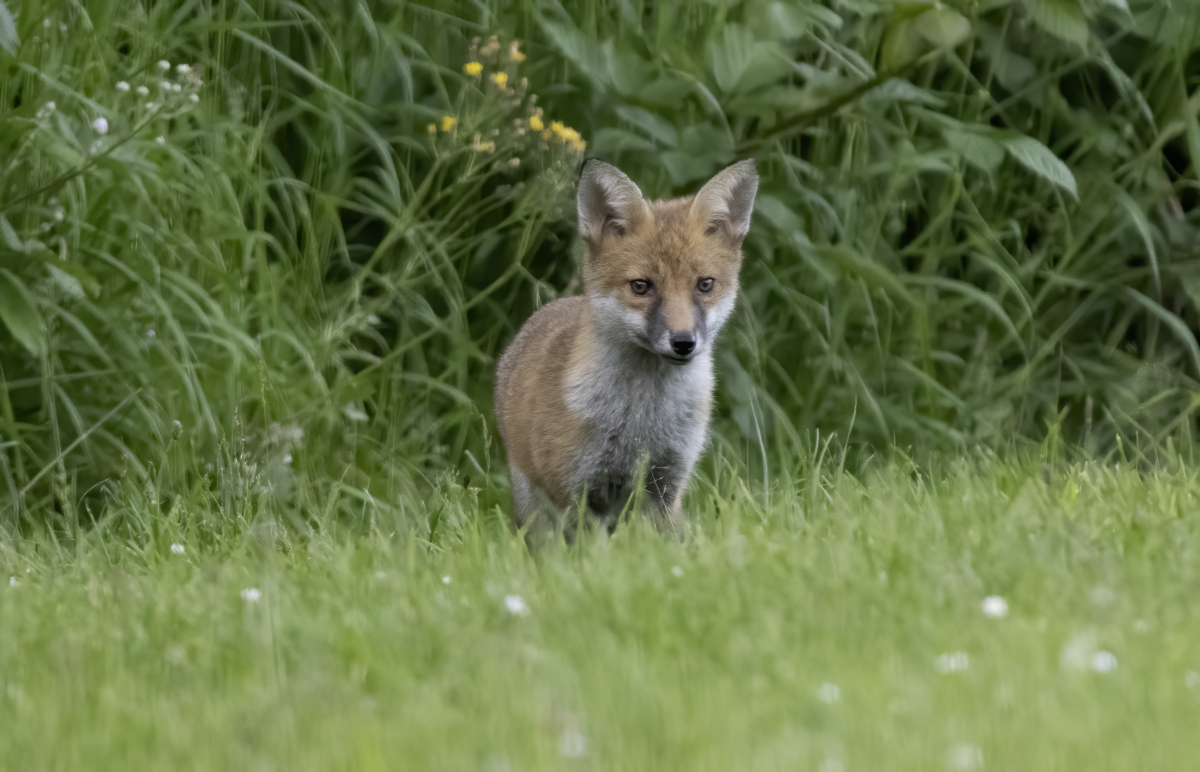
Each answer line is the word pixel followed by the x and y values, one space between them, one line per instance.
pixel 982 152
pixel 10 237
pixel 1040 160
pixel 628 71
pixel 731 55
pixel 19 312
pixel 900 90
pixel 1011 69
pixel 613 140
pixel 658 128
pixel 943 27
pixel 584 51
pixel 10 41
pixel 1061 18
pixel 901 44
pixel 78 274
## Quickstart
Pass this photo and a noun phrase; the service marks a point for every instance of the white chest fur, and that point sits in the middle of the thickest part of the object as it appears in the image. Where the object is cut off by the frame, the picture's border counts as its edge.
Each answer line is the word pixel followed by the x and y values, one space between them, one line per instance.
pixel 636 403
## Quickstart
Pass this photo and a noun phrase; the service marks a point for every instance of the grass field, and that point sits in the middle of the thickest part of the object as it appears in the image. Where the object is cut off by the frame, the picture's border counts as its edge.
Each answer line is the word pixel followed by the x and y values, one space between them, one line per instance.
pixel 257 261
pixel 838 625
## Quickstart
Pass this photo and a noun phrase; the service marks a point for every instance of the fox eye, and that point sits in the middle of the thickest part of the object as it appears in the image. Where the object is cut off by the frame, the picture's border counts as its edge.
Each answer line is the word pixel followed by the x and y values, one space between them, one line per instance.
pixel 705 284
pixel 639 286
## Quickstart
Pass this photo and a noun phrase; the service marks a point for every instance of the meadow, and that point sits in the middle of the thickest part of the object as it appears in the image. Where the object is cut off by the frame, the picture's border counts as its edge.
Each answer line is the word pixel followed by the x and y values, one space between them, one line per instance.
pixel 257 261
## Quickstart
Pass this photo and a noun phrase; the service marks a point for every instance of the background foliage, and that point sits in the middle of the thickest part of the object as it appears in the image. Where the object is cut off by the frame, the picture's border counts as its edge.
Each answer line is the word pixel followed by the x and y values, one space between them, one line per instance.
pixel 978 222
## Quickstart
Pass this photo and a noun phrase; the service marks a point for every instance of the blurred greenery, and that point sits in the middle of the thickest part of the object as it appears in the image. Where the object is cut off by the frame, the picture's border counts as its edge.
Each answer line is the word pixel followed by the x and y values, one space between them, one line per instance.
pixel 310 236
pixel 843 627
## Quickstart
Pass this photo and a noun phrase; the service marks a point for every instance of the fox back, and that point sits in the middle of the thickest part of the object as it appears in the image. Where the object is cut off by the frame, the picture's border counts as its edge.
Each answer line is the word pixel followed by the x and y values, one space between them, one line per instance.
pixel 605 395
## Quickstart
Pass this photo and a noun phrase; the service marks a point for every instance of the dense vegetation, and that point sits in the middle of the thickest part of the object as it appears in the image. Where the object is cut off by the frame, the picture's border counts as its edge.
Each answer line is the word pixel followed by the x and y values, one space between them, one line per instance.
pixel 289 260
pixel 257 260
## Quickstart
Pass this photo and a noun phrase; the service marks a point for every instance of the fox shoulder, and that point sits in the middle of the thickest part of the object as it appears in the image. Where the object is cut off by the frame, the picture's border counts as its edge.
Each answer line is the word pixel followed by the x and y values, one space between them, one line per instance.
pixel 540 347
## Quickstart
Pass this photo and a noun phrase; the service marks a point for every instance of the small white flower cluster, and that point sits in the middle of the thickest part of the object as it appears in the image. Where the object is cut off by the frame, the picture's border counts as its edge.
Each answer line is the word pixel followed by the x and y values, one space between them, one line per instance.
pixel 189 83
pixel 251 594
pixel 177 549
pixel 516 605
pixel 995 607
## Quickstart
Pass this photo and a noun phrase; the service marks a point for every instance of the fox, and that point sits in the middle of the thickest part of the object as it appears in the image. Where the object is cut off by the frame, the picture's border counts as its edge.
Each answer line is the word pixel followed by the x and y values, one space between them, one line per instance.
pixel 603 399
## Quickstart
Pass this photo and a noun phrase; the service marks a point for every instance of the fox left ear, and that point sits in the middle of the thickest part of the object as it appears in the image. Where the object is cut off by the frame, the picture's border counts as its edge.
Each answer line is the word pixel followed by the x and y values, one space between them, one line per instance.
pixel 725 201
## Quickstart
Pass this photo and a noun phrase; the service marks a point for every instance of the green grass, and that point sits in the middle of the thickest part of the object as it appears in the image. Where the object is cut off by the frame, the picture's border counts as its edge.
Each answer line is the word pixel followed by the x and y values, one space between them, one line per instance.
pixel 360 654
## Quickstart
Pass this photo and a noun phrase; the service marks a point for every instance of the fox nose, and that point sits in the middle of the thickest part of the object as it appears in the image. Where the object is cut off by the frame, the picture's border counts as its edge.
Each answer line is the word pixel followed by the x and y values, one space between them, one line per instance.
pixel 682 343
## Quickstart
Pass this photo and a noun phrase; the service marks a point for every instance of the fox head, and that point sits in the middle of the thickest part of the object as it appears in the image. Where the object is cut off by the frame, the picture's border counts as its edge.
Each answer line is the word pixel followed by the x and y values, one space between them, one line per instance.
pixel 663 275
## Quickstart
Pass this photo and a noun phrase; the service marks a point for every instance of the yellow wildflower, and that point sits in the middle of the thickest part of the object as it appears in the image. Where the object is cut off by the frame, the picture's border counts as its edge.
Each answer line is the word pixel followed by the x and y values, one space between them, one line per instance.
pixel 535 123
pixel 500 79
pixel 557 127
pixel 480 146
pixel 432 128
pixel 578 145
pixel 514 52
pixel 448 122
pixel 473 69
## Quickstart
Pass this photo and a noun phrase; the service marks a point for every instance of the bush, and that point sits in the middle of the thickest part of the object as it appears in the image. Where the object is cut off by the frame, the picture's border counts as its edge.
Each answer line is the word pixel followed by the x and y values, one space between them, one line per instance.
pixel 266 277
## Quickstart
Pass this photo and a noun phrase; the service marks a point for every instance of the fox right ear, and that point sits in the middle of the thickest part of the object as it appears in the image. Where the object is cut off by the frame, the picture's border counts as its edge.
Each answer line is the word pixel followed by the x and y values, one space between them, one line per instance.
pixel 608 202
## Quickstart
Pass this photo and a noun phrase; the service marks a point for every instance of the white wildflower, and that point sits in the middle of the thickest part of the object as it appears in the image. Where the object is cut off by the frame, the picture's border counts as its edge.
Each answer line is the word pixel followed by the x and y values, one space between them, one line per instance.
pixel 251 594
pixel 183 69
pixel 142 91
pixel 963 758
pixel 194 98
pixel 177 549
pixel 46 110
pixel 829 693
pixel 160 140
pixel 994 606
pixel 165 85
pixel 1104 662
pixel 446 579
pixel 100 125
pixel 12 581
pixel 122 86
pixel 287 458
pixel 953 662
pixel 516 605
pixel 163 65
pixel 572 744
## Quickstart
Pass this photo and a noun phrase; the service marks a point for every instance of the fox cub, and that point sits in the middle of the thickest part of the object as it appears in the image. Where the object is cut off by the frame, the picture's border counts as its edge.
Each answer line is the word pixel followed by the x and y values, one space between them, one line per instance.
pixel 611 389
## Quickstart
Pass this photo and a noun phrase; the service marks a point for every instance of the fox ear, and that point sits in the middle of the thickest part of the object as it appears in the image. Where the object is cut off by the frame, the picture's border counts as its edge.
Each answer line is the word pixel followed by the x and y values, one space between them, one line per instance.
pixel 725 201
pixel 608 202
